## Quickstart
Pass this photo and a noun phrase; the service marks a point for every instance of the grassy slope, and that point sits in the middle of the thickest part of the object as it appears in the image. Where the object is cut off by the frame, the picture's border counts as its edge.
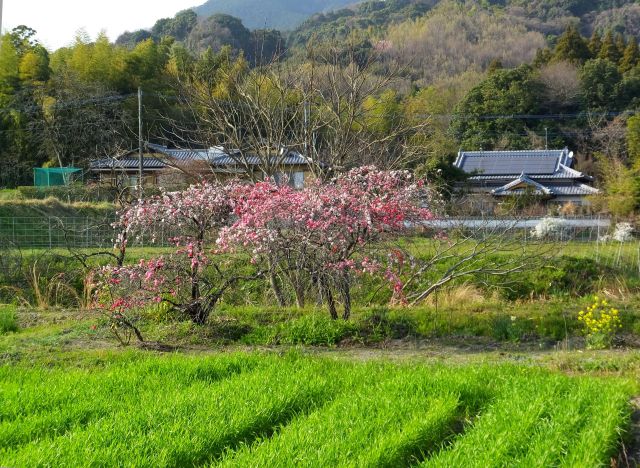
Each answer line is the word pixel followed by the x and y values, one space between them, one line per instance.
pixel 52 207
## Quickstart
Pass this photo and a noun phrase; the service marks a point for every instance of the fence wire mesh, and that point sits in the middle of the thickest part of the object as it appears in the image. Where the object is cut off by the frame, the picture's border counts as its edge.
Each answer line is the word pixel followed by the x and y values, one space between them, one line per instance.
pixel 72 232
pixel 587 237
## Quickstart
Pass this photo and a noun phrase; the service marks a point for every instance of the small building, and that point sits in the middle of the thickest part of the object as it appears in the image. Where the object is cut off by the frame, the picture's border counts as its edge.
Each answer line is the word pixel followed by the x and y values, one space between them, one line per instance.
pixel 124 170
pixel 55 176
pixel 165 167
pixel 547 174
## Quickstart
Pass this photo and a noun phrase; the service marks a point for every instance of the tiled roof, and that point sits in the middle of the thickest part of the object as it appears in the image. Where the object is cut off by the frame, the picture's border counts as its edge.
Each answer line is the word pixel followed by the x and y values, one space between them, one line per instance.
pixel 505 163
pixel 218 157
pixel 578 189
pixel 523 179
pixel 126 163
pixel 563 172
pixel 513 187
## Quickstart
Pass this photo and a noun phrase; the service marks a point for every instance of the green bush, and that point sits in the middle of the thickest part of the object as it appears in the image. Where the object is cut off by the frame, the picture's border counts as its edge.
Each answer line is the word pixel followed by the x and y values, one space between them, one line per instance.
pixel 8 319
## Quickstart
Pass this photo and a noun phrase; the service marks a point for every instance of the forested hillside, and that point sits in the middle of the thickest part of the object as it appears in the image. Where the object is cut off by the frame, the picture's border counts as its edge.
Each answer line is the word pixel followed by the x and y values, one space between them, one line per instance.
pixel 272 14
pixel 459 74
pixel 550 17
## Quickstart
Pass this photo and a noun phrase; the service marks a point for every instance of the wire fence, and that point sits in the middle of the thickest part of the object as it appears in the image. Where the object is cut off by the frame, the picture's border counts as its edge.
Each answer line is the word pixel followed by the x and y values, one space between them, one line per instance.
pixel 553 229
pixel 73 232
pixel 586 237
pixel 98 232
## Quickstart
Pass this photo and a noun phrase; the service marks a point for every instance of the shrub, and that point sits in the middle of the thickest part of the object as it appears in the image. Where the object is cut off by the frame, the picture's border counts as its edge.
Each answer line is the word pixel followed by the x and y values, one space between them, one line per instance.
pixel 8 319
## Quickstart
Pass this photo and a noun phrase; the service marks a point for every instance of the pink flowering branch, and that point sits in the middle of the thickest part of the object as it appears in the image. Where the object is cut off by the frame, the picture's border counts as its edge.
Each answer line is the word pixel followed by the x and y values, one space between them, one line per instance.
pixel 189 279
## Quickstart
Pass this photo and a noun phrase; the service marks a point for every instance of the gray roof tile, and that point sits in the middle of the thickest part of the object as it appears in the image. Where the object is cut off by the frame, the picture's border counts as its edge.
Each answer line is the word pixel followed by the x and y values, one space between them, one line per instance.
pixel 126 163
pixel 503 163
pixel 217 157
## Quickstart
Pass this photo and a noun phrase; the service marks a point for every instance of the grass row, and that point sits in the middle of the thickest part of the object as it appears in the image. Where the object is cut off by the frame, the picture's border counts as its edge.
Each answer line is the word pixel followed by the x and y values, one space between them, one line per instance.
pixel 268 410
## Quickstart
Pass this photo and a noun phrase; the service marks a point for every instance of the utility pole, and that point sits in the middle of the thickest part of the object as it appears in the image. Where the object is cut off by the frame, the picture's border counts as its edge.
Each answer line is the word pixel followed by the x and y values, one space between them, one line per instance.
pixel 306 129
pixel 0 23
pixel 546 138
pixel 140 142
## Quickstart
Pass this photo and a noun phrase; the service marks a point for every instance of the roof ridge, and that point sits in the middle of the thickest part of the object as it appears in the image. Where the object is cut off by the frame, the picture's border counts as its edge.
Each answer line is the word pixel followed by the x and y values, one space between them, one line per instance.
pixel 507 153
pixel 512 151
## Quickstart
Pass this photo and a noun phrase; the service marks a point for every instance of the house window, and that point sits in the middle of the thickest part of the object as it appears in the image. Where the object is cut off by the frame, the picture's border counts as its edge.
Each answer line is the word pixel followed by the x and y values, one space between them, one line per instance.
pixel 126 180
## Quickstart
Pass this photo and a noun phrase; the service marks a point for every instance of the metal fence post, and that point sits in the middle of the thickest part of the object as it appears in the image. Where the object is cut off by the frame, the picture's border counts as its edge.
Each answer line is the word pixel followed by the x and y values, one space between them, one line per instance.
pixel 49 221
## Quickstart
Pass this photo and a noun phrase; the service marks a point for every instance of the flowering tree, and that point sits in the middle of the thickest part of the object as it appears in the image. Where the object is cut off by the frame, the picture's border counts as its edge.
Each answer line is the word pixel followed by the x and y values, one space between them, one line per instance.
pixel 326 230
pixel 189 279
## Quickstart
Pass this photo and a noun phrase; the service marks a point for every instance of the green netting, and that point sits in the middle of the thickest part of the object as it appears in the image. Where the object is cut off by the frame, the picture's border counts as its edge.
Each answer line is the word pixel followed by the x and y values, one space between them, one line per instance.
pixel 48 177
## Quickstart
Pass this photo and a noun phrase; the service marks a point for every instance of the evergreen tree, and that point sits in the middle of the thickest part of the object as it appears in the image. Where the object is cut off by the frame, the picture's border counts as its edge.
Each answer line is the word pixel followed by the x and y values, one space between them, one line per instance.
pixel 609 49
pixel 621 45
pixel 631 56
pixel 600 82
pixel 595 44
pixel 508 91
pixel 633 139
pixel 543 57
pixel 571 47
pixel 496 64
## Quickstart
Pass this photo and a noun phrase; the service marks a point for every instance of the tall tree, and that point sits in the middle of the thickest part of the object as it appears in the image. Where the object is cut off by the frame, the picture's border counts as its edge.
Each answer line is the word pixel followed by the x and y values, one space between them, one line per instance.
pixel 633 139
pixel 595 43
pixel 571 47
pixel 481 119
pixel 600 81
pixel 34 65
pixel 609 49
pixel 631 56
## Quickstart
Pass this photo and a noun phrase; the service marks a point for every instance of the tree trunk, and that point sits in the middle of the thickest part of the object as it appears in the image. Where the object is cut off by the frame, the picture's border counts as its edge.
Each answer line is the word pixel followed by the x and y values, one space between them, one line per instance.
pixel 300 296
pixel 275 286
pixel 345 291
pixel 327 295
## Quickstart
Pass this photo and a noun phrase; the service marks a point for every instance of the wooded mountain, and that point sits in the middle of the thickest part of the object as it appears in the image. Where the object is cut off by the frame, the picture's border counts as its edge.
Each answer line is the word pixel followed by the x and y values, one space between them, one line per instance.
pixel 270 14
pixel 549 17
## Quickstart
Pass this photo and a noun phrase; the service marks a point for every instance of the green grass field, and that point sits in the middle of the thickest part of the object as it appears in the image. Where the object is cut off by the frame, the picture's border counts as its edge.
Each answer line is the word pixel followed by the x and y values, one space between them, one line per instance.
pixel 254 409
